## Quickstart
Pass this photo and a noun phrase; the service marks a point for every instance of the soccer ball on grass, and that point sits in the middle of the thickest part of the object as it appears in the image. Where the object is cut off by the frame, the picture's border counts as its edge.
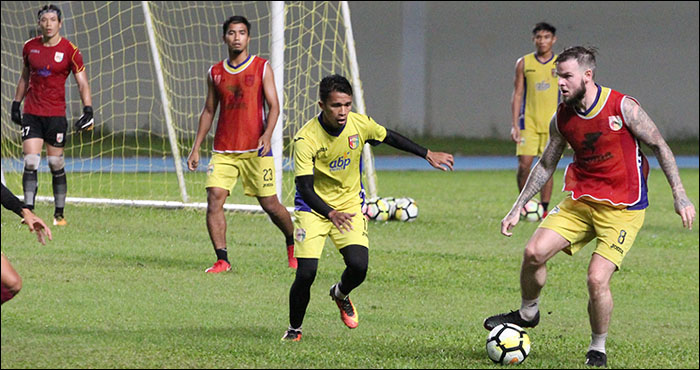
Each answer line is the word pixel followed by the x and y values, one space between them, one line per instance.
pixel 376 209
pixel 391 202
pixel 508 344
pixel 532 211
pixel 406 209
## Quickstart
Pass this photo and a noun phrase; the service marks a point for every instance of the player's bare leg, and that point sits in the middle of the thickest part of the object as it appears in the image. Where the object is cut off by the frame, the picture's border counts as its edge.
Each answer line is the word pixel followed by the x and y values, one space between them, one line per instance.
pixel 546 194
pixel 281 218
pixel 524 166
pixel 216 225
pixel 600 306
pixel 541 247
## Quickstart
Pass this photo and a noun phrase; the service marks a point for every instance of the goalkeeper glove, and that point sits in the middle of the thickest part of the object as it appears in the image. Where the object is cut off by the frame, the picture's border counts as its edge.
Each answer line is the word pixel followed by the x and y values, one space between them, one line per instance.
pixel 16 114
pixel 86 121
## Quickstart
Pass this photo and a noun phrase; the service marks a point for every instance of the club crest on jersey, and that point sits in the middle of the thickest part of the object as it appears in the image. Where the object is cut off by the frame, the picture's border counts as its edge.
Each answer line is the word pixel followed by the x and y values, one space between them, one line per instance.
pixel 249 80
pixel 58 57
pixel 300 235
pixel 615 122
pixel 554 72
pixel 354 141
pixel 59 138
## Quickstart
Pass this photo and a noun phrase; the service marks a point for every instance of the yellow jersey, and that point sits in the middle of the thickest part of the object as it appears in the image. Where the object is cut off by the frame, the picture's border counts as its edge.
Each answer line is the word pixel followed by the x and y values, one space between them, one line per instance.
pixel 541 93
pixel 334 161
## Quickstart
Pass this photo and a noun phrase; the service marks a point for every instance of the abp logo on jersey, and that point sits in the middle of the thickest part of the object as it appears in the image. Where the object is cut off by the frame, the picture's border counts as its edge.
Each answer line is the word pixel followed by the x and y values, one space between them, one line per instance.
pixel 542 86
pixel 341 163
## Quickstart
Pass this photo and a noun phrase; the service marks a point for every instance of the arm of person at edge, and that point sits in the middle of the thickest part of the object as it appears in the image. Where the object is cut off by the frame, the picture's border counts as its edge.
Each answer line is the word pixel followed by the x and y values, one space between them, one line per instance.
pixel 440 160
pixel 205 120
pixel 273 104
pixel 644 129
pixel 517 100
pixel 539 175
pixel 341 220
pixel 12 203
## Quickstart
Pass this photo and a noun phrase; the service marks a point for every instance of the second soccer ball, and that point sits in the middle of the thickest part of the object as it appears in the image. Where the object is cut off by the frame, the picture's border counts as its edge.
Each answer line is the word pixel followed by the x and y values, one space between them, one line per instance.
pixel 406 209
pixel 376 209
pixel 532 211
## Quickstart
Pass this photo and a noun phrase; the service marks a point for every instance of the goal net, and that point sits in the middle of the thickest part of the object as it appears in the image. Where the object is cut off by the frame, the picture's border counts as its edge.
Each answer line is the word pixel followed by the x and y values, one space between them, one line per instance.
pixel 146 63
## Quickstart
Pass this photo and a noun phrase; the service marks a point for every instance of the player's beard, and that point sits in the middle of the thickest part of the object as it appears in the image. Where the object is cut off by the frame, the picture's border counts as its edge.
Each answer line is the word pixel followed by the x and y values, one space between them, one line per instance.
pixel 576 97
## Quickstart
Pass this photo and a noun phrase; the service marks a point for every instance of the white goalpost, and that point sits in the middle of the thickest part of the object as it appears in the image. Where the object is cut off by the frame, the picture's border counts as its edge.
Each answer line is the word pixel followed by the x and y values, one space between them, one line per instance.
pixel 146 63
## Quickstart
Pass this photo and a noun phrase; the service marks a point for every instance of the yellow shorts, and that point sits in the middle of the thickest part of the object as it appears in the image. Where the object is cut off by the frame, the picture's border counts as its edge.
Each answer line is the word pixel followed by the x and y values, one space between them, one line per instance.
pixel 311 230
pixel 579 221
pixel 531 143
pixel 257 174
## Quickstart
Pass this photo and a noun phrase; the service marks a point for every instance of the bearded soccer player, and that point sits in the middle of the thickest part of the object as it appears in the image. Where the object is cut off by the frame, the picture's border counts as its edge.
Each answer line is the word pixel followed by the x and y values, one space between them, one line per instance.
pixel 240 85
pixel 608 199
pixel 48 60
pixel 534 101
pixel 327 154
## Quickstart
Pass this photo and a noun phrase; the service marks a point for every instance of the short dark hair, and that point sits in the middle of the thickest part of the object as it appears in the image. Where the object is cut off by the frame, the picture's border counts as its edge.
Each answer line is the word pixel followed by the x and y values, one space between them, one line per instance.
pixel 544 26
pixel 333 83
pixel 49 8
pixel 237 19
pixel 585 56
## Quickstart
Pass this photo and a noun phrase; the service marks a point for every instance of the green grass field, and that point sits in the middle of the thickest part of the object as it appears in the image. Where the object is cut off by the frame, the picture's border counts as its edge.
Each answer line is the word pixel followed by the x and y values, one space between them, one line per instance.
pixel 125 288
pixel 98 143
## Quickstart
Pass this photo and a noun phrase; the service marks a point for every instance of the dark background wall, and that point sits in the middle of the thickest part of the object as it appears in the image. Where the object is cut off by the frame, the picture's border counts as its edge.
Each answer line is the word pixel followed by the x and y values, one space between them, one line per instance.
pixel 433 68
pixel 646 49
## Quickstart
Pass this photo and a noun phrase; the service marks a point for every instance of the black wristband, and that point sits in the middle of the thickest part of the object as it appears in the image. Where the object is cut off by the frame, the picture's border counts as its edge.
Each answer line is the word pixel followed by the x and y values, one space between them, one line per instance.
pixel 87 109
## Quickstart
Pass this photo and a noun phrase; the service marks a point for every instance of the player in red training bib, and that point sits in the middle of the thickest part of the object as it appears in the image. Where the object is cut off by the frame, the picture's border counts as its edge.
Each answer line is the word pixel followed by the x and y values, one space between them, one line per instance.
pixel 48 60
pixel 240 86
pixel 608 186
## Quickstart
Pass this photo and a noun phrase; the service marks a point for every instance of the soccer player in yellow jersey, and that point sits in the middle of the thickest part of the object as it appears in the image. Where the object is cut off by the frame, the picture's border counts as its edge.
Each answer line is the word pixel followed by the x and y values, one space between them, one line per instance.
pixel 327 154
pixel 534 101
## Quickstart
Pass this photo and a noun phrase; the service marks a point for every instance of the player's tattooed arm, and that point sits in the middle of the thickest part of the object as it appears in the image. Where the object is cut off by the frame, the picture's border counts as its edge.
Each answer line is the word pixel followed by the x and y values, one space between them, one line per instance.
pixel 644 129
pixel 544 168
pixel 539 175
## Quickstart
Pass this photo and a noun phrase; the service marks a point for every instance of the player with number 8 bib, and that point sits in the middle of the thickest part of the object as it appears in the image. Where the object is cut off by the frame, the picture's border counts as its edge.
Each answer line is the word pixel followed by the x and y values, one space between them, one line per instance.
pixel 608 199
pixel 48 60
